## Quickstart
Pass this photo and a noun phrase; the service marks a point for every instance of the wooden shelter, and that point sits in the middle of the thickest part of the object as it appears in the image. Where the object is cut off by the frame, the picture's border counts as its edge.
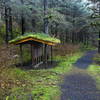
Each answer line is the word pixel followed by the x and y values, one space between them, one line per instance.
pixel 41 46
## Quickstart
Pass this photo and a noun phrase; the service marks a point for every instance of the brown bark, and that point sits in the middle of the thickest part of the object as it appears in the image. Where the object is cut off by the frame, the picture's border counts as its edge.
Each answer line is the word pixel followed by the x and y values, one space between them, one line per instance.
pixel 6 23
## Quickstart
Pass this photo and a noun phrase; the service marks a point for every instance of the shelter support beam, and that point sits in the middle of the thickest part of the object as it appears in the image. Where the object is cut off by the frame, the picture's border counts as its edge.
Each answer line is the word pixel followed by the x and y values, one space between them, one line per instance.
pixel 51 54
pixel 21 55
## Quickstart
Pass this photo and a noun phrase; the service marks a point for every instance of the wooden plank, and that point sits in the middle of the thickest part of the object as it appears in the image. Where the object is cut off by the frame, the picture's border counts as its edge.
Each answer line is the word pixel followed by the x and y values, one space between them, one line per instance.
pixel 37 65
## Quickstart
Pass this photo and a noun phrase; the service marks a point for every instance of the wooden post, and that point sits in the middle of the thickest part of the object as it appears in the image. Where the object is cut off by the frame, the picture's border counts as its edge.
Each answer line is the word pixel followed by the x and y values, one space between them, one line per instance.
pixel 32 55
pixel 42 53
pixel 37 56
pixel 21 55
pixel 51 54
pixel 45 53
pixel 48 52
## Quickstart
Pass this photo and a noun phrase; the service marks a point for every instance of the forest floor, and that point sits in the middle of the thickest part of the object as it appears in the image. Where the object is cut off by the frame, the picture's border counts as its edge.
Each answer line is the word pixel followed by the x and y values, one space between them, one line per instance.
pixel 82 82
pixel 17 83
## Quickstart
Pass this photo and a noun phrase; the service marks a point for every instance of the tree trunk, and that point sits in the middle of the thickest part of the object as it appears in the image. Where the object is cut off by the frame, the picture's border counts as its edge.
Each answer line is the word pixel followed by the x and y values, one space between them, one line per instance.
pixel 99 32
pixel 33 25
pixel 56 30
pixel 6 24
pixel 99 43
pixel 22 24
pixel 22 20
pixel 46 23
pixel 10 24
pixel 73 37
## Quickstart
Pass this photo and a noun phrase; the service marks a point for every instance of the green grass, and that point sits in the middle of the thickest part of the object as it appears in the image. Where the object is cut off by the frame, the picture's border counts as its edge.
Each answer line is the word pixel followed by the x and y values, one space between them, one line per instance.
pixel 97 58
pixel 94 71
pixel 66 63
pixel 40 36
pixel 86 48
pixel 21 84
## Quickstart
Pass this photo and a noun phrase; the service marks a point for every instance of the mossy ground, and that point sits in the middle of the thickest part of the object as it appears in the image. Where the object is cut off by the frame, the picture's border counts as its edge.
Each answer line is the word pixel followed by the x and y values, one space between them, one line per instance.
pixel 94 71
pixel 18 84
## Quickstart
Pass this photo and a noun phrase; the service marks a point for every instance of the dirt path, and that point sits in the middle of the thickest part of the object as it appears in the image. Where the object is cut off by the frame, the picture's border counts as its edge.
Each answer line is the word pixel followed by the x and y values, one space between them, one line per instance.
pixel 78 85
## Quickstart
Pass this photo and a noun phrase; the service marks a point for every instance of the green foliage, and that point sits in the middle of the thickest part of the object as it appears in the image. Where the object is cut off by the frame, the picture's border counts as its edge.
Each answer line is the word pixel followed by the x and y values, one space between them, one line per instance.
pixel 84 47
pixel 96 23
pixel 61 14
pixel 66 63
pixel 2 33
pixel 46 93
pixel 1 40
pixel 94 70
pixel 97 59
pixel 7 98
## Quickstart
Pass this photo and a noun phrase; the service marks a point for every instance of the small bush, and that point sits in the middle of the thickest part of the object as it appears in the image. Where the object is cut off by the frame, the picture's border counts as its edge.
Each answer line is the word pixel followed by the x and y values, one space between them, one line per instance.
pixel 65 49
pixel 97 59
pixel 8 55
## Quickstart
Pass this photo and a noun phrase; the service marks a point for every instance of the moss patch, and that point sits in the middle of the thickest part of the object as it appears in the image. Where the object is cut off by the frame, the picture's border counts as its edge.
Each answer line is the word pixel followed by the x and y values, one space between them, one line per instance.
pixel 97 59
pixel 94 71
pixel 40 36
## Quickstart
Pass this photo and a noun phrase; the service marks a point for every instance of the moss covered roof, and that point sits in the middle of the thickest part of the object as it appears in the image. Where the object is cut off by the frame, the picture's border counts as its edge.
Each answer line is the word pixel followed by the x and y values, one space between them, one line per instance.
pixel 98 39
pixel 36 37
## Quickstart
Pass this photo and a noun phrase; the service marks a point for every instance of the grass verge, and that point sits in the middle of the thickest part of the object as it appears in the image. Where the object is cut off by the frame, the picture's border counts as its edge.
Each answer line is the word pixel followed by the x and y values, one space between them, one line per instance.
pixel 94 71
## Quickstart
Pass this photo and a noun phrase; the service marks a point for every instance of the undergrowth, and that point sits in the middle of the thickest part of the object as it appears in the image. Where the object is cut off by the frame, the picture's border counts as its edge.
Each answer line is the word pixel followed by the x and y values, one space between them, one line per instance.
pixel 18 84
pixel 32 84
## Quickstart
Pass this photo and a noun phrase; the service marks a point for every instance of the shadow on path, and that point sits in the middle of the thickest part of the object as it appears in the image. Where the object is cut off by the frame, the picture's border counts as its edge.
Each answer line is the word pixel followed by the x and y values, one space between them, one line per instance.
pixel 80 86
pixel 86 60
